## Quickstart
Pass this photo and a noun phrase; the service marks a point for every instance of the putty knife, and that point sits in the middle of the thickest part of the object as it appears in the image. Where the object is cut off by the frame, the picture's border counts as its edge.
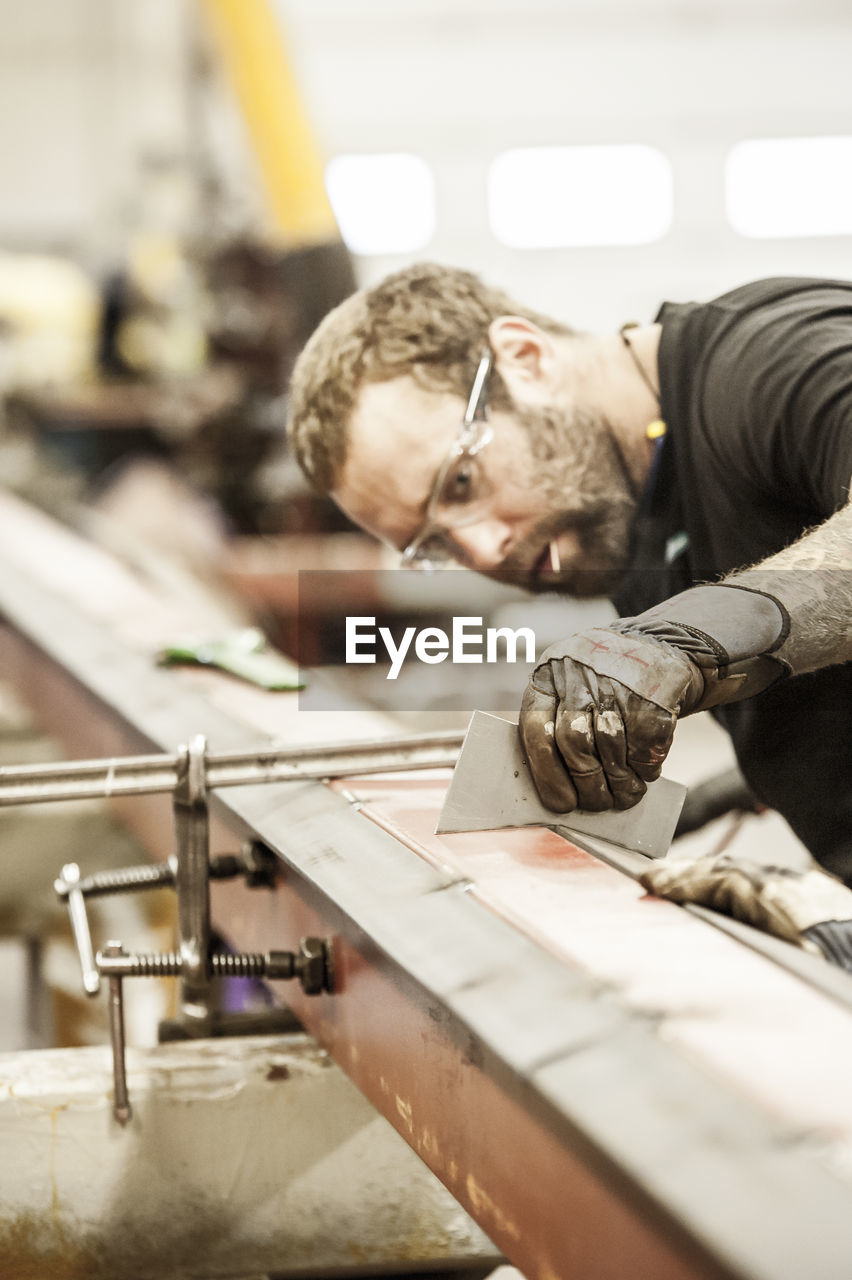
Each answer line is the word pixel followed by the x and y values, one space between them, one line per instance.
pixel 492 788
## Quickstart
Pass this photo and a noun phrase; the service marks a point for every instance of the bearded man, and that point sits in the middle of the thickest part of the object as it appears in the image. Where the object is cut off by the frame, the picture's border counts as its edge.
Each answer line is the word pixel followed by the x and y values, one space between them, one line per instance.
pixel 697 469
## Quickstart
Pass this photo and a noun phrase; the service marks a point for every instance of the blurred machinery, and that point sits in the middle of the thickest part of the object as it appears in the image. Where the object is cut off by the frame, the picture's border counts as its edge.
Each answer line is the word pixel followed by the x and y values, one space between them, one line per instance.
pixel 186 354
pixel 185 360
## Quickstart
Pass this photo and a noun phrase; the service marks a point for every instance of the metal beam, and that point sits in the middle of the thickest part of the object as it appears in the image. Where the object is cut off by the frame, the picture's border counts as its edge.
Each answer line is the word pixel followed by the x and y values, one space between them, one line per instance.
pixel 574 1133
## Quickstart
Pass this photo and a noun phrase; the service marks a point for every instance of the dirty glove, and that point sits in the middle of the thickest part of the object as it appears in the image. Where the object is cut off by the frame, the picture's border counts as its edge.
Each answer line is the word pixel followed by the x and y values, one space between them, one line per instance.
pixel 599 712
pixel 809 908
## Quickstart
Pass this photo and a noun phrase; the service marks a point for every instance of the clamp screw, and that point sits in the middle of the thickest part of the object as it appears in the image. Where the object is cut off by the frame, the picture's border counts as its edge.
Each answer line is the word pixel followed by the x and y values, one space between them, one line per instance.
pixel 314 966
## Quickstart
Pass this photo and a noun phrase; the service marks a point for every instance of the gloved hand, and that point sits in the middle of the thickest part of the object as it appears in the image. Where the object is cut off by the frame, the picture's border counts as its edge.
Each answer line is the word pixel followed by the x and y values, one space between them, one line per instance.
pixel 599 712
pixel 809 908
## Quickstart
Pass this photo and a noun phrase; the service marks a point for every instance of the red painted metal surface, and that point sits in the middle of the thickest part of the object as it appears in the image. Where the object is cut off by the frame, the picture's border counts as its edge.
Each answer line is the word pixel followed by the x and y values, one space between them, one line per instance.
pixel 748 1020
pixel 551 1212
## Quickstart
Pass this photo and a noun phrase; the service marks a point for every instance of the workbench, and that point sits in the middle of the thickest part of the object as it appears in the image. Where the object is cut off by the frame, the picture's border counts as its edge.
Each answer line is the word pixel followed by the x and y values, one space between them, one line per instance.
pixel 609 1085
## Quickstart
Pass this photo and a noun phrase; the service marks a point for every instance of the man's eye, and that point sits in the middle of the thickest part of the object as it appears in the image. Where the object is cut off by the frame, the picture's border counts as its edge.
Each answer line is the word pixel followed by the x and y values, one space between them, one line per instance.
pixel 460 484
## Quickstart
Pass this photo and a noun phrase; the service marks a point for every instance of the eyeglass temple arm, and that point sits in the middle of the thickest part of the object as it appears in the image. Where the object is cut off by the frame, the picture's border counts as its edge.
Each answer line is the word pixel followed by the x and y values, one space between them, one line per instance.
pixel 482 372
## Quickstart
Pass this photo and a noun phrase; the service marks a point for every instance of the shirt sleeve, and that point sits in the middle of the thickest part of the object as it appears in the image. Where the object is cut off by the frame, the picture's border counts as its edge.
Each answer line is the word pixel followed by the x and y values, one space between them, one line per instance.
pixel 776 397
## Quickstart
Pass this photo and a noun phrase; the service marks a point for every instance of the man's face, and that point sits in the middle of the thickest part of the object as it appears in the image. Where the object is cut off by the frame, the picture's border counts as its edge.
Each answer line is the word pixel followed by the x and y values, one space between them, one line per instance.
pixel 555 478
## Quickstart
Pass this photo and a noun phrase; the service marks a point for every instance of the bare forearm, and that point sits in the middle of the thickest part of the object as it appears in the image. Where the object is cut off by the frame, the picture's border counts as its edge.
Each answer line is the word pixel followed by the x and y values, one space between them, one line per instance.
pixel 813 580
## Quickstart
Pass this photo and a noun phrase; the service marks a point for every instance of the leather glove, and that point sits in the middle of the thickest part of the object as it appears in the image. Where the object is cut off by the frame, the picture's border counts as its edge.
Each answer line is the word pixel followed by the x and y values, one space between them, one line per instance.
pixel 802 907
pixel 599 712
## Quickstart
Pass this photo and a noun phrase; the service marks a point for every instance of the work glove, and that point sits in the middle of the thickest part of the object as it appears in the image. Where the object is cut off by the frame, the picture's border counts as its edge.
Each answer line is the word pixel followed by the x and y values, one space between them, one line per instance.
pixel 809 908
pixel 599 712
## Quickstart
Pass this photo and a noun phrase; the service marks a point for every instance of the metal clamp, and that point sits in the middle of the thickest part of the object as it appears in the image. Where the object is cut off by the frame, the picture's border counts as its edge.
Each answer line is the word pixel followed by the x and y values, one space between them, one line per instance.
pixel 189 871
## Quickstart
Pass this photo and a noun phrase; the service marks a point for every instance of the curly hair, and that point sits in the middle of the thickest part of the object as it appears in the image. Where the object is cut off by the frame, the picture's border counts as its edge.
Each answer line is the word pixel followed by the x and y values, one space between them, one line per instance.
pixel 428 321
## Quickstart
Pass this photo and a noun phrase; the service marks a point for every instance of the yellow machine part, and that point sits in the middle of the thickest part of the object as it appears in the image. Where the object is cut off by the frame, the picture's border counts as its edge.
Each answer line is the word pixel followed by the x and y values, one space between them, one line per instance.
pixel 252 46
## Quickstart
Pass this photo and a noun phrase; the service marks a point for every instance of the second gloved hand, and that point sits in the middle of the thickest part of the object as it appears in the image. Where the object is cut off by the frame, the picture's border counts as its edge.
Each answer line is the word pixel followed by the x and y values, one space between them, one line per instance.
pixel 808 908
pixel 600 709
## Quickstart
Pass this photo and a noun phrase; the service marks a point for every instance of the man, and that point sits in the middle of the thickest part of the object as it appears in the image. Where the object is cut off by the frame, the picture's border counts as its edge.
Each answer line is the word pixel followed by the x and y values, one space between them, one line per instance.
pixel 712 447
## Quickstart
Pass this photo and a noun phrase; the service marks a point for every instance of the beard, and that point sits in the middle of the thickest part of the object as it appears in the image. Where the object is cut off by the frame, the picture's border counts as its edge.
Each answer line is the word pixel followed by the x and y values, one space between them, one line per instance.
pixel 585 490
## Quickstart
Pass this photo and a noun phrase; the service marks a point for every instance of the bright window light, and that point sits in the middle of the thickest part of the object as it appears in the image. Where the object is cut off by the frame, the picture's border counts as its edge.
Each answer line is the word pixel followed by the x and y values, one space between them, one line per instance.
pixel 790 187
pixel 382 203
pixel 554 197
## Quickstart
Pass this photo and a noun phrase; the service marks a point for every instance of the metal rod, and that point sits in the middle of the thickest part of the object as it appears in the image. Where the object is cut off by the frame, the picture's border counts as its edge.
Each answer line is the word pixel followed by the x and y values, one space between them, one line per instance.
pixel 191 819
pixel 144 775
pixel 121 1100
pixel 69 887
pixel 155 875
pixel 169 964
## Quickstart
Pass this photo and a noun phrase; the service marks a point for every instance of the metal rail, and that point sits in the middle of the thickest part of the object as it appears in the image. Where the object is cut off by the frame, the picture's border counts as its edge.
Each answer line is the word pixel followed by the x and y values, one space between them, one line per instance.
pixel 472 1039
pixel 143 775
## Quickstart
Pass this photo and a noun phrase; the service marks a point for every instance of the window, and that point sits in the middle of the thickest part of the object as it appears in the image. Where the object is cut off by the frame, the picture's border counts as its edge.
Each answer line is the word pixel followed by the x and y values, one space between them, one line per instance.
pixel 382 203
pixel 552 197
pixel 790 187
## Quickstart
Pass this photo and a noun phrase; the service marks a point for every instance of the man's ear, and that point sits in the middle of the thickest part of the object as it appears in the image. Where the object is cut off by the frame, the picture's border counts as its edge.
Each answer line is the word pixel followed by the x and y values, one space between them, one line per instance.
pixel 523 353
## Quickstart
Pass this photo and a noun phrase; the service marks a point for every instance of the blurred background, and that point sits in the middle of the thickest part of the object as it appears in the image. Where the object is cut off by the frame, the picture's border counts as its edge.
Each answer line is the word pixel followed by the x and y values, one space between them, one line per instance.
pixel 189 185
pixel 430 121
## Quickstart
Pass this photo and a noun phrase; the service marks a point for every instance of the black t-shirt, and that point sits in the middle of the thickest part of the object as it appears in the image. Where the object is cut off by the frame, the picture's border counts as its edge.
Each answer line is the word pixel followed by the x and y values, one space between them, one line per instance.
pixel 756 391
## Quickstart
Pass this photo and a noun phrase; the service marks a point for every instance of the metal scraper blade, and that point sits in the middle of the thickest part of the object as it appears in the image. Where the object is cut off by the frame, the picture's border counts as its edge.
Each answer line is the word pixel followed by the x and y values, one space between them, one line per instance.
pixel 492 788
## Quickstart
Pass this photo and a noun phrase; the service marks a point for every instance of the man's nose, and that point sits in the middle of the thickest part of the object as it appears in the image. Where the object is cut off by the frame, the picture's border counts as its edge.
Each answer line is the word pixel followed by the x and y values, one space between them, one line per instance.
pixel 483 545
